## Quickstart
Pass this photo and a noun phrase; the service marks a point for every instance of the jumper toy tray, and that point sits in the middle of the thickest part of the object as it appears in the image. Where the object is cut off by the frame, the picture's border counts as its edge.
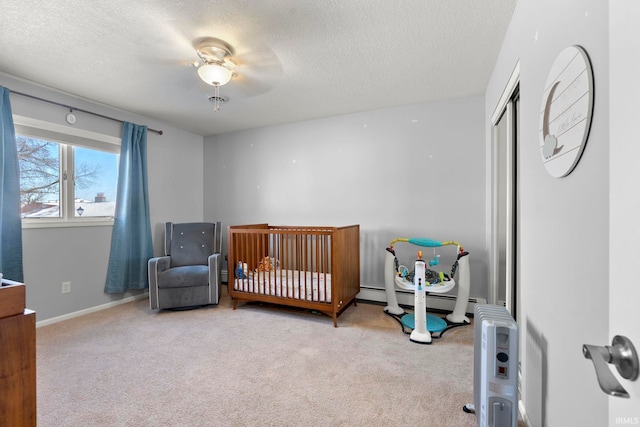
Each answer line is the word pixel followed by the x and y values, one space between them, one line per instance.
pixel 437 287
pixel 425 279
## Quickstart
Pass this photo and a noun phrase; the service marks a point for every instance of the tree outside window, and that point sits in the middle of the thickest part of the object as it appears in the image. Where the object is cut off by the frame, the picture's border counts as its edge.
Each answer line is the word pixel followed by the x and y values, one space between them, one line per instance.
pixel 53 174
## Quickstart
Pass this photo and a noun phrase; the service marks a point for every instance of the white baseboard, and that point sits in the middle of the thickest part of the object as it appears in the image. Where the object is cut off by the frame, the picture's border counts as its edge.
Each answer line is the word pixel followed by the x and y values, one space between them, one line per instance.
pixel 434 301
pixel 90 310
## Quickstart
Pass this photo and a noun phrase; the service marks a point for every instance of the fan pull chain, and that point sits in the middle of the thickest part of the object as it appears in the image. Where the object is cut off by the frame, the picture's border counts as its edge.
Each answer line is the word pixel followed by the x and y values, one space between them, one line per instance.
pixel 216 95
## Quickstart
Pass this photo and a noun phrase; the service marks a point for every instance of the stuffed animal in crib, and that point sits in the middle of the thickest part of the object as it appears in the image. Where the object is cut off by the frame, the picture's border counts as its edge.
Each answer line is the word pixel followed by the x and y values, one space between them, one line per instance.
pixel 267 264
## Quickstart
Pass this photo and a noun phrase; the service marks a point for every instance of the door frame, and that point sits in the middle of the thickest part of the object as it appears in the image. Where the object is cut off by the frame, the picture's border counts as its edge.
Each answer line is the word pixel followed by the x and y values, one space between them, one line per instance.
pixel 504 107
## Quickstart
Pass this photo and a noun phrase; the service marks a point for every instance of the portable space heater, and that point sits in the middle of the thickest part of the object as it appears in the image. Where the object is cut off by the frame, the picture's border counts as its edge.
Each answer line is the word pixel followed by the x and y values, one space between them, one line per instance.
pixel 495 367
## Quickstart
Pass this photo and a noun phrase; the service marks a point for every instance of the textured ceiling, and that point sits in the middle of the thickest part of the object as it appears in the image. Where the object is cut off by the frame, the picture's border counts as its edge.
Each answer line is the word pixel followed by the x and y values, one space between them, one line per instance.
pixel 298 59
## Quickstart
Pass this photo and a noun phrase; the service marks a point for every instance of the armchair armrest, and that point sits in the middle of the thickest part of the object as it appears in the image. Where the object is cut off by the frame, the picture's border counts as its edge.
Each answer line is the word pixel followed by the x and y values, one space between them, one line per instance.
pixel 215 281
pixel 156 265
pixel 160 263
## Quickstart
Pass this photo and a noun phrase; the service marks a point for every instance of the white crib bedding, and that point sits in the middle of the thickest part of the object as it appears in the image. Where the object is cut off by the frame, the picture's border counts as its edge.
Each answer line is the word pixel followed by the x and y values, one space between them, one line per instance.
pixel 306 285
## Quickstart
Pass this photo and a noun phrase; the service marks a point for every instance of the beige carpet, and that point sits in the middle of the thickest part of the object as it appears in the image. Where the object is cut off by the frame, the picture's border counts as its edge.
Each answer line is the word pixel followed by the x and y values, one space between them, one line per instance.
pixel 255 366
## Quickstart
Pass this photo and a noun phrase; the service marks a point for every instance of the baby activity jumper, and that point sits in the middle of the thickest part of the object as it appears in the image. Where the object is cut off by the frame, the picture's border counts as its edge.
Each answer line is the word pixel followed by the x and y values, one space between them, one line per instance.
pixel 422 280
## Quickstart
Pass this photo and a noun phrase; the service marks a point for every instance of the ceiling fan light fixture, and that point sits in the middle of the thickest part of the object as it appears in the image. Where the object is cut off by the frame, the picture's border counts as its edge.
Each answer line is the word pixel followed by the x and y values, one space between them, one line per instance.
pixel 215 74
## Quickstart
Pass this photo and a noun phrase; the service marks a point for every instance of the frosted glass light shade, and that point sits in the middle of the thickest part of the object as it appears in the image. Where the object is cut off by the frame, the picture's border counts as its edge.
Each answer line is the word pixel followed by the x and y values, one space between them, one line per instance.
pixel 214 74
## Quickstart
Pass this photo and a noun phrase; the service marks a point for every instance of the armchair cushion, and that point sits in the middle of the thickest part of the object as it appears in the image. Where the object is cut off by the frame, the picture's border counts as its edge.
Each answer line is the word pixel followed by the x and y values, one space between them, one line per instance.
pixel 190 243
pixel 184 276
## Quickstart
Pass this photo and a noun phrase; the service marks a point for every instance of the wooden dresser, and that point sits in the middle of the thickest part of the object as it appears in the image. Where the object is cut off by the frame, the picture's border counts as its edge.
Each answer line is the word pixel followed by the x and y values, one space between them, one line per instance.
pixel 17 357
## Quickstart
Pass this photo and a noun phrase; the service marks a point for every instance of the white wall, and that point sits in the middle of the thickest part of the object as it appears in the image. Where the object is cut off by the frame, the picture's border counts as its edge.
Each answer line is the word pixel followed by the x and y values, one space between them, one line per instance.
pixel 80 255
pixel 624 251
pixel 413 171
pixel 564 222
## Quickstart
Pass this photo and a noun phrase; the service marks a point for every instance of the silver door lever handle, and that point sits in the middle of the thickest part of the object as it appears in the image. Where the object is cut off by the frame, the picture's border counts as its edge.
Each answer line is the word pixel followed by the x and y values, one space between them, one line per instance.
pixel 622 354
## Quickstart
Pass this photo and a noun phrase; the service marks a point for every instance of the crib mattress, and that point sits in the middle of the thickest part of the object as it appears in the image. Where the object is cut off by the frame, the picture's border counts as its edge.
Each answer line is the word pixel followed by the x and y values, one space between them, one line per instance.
pixel 304 285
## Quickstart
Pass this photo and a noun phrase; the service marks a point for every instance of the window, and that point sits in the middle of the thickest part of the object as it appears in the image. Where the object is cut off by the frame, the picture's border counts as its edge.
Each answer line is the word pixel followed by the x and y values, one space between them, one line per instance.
pixel 67 176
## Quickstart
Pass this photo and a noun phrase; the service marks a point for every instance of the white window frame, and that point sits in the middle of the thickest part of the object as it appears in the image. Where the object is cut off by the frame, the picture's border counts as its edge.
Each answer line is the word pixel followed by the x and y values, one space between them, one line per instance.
pixel 66 136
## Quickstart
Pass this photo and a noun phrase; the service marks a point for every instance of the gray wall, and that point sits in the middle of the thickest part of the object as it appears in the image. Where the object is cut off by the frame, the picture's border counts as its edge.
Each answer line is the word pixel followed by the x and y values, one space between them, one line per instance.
pixel 564 222
pixel 80 254
pixel 413 171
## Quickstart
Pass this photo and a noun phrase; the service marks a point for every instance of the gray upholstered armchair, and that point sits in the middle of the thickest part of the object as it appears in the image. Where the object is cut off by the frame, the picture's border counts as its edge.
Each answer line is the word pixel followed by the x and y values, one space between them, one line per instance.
pixel 189 273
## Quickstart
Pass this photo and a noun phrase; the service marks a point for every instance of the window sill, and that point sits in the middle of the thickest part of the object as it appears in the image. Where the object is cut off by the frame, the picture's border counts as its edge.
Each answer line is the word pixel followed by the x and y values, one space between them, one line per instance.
pixel 58 223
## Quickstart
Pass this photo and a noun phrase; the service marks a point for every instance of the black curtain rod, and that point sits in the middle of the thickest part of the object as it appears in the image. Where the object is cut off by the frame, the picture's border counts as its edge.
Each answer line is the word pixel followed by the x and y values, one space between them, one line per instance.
pixel 159 132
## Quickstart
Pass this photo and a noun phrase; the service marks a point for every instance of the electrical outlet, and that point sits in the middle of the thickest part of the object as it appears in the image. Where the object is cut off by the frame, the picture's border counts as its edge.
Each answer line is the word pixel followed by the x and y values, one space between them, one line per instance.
pixel 66 287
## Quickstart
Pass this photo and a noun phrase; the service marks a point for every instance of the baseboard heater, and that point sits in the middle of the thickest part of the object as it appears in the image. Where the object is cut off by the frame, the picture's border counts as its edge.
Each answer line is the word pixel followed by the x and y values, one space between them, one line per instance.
pixel 434 301
pixel 443 302
pixel 495 367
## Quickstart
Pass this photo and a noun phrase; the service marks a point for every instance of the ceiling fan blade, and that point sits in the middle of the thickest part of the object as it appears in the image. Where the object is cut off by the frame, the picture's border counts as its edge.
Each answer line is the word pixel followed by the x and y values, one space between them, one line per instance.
pixel 258 71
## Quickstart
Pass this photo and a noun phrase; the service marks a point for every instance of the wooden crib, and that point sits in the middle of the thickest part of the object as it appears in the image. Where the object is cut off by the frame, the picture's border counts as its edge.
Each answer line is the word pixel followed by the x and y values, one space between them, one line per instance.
pixel 315 268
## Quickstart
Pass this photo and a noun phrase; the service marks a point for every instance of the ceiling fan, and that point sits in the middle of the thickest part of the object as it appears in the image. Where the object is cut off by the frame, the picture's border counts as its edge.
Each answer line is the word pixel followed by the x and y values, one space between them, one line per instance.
pixel 252 70
pixel 216 66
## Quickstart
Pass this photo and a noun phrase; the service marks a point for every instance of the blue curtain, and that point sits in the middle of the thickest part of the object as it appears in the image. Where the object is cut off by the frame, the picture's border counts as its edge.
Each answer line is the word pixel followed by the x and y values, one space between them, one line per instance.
pixel 131 244
pixel 10 222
